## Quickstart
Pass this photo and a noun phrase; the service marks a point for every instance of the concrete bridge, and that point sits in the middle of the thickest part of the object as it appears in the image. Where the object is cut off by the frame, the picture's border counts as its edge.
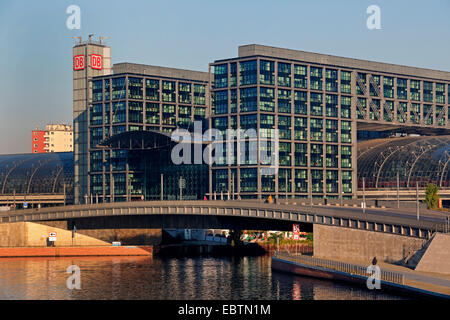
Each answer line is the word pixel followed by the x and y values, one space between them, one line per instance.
pixel 389 234
pixel 233 215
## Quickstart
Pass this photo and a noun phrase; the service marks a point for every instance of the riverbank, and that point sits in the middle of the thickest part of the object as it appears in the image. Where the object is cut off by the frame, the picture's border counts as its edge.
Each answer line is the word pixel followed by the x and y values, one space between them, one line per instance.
pixel 76 251
pixel 393 278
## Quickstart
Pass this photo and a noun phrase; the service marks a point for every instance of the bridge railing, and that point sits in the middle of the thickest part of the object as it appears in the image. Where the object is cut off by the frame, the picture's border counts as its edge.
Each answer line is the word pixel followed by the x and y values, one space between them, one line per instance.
pixel 353 269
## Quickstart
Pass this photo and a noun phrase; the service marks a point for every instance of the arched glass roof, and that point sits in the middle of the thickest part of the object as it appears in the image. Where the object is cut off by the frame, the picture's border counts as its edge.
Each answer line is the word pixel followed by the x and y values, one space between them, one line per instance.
pixel 38 173
pixel 420 160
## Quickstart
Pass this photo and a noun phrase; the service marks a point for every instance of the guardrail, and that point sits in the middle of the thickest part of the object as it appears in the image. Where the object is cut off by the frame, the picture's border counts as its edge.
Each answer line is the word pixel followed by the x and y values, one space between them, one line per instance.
pixel 353 269
pixel 296 214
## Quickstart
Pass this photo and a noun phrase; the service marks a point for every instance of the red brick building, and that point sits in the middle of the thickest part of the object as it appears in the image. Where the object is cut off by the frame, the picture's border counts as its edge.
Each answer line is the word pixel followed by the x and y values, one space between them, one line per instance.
pixel 38 141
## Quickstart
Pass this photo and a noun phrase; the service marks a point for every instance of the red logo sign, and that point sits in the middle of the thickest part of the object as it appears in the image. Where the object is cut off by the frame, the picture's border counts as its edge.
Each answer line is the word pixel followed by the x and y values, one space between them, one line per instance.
pixel 78 62
pixel 96 61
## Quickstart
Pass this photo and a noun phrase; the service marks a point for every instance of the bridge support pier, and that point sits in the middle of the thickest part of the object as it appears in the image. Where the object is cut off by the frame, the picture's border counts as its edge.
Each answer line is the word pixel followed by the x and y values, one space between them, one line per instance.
pixel 333 242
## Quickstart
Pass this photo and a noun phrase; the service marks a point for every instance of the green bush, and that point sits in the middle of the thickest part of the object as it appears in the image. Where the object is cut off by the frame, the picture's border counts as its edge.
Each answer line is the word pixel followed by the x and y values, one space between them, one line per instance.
pixel 431 196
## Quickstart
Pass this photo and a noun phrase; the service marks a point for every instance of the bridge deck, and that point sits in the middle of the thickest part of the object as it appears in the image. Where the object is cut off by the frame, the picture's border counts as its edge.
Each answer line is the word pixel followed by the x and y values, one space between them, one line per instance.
pixel 402 222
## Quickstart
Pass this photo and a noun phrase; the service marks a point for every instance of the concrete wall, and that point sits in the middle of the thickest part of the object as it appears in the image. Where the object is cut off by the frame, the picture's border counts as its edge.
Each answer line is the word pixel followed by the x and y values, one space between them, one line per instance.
pixel 437 256
pixel 126 236
pixel 332 242
pixel 29 234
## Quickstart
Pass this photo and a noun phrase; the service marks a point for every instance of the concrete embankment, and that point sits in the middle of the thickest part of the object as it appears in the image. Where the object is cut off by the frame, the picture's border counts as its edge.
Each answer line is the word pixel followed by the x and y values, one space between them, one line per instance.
pixel 76 251
pixel 27 239
pixel 391 279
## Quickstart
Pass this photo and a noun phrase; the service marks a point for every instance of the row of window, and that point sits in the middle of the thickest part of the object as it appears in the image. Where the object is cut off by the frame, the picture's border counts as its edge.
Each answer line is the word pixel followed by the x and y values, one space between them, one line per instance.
pixel 287 76
pixel 298 130
pixel 295 75
pixel 155 90
pixel 318 104
pixel 319 179
pixel 155 113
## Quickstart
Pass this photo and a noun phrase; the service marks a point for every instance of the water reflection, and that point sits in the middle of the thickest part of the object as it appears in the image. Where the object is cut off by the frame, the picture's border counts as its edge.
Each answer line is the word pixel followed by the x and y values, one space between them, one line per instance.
pixel 152 278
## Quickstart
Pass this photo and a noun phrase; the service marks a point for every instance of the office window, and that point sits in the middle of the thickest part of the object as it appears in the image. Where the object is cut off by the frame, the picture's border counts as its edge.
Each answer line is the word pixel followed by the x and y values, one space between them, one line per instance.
pixel 346 132
pixel 135 111
pixel 331 80
pixel 233 75
pixel 315 81
pixel 331 130
pixel 152 89
pixel 118 88
pixel 300 128
pixel 301 154
pixel 199 94
pixel 415 112
pixel 346 82
pixel 221 76
pixel 168 91
pixel 331 105
pixel 267 72
pixel 247 72
pixel 415 90
pixel 331 160
pixel 97 90
pixel 316 104
pixel 316 129
pixel 316 155
pixel 135 88
pixel 428 91
pixel 284 127
pixel 284 101
pixel 440 93
pixel 152 113
pixel 184 92
pixel 388 87
pixel 284 74
pixel 346 156
pixel 221 102
pixel 346 107
pixel 300 76
pixel 248 99
pixel 301 102
pixel 267 99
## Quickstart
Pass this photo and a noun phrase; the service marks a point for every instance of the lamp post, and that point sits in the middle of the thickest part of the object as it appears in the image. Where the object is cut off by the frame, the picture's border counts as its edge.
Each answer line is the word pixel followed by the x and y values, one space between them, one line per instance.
pixel 364 195
pixel 417 200
pixel 398 192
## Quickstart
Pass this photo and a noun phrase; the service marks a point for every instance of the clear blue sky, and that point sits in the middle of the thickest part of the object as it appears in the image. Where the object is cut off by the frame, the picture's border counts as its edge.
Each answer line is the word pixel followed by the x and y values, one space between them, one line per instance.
pixel 36 56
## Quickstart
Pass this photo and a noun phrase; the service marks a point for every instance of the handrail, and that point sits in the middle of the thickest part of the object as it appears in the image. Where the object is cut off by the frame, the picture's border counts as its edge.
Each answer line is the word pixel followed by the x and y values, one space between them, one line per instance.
pixel 353 269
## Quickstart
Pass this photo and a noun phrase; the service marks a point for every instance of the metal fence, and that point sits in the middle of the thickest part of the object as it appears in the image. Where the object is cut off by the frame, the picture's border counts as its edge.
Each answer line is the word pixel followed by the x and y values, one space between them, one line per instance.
pixel 352 269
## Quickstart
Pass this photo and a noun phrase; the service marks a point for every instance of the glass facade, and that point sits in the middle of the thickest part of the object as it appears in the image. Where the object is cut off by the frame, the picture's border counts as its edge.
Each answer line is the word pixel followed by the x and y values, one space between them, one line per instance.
pixel 305 104
pixel 35 174
pixel 132 103
pixel 314 109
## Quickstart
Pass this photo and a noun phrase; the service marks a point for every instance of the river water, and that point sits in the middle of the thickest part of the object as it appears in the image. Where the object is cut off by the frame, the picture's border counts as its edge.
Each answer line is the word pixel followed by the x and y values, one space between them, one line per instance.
pixel 175 278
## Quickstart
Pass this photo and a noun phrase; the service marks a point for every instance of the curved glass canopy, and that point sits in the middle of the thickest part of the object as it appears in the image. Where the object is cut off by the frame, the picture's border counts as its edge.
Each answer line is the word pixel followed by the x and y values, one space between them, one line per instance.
pixel 417 160
pixel 42 173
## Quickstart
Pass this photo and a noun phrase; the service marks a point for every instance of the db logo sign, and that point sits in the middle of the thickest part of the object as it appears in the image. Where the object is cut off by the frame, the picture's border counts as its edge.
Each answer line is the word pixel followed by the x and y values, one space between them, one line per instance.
pixel 96 62
pixel 78 62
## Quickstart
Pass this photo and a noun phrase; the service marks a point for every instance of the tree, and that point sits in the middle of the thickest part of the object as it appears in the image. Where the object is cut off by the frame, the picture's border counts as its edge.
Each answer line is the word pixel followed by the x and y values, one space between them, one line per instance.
pixel 431 196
